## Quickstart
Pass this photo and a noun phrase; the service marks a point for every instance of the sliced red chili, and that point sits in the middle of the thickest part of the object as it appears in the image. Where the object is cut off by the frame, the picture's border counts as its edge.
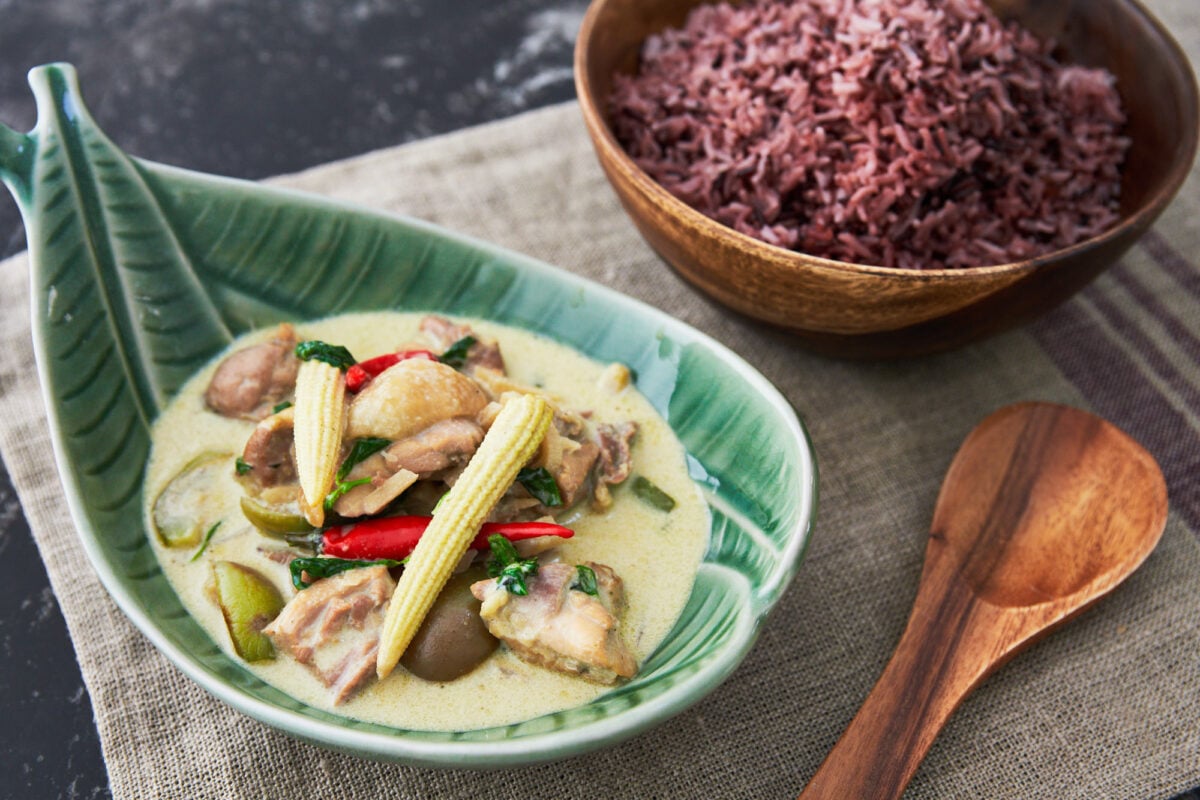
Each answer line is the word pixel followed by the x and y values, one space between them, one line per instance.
pixel 359 374
pixel 396 537
pixel 356 378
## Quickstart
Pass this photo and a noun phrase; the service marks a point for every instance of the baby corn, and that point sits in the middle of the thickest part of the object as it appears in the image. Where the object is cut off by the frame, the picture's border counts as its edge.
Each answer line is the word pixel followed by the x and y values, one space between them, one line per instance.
pixel 509 444
pixel 320 401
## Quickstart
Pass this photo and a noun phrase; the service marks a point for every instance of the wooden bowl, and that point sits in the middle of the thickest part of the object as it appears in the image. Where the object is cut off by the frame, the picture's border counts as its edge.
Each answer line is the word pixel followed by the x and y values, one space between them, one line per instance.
pixel 877 312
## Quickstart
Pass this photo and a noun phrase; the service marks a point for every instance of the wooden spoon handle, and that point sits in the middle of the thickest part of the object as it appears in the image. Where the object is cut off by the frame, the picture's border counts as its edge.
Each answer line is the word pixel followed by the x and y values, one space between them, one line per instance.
pixel 936 664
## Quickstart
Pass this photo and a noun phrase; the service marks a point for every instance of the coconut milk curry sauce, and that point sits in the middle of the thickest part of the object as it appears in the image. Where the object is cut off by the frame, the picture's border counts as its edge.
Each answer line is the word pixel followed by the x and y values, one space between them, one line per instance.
pixel 234 577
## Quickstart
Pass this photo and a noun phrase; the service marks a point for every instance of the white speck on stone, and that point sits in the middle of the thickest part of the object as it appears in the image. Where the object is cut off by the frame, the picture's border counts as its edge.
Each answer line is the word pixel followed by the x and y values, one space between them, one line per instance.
pixel 10 510
pixel 541 59
pixel 45 606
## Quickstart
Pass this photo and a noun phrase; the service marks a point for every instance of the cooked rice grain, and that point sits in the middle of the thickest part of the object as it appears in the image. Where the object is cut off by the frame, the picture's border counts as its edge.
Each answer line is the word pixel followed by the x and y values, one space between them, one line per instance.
pixel 920 134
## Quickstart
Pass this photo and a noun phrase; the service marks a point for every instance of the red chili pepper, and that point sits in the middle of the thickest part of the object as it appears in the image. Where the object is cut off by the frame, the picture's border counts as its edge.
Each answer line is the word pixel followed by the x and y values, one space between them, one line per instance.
pixel 396 537
pixel 359 374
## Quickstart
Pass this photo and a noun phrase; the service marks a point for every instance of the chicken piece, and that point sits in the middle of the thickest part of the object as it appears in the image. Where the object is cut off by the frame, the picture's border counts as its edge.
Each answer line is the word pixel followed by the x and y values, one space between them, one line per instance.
pixel 249 382
pixel 408 397
pixel 573 470
pixel 562 628
pixel 441 446
pixel 568 459
pixel 616 462
pixel 615 442
pixel 359 500
pixel 269 451
pixel 517 506
pixel 333 627
pixel 443 333
pixel 374 497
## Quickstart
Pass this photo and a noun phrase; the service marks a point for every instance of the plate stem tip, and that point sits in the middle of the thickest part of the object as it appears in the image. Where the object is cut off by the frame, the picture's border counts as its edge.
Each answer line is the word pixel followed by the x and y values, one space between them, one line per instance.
pixel 16 161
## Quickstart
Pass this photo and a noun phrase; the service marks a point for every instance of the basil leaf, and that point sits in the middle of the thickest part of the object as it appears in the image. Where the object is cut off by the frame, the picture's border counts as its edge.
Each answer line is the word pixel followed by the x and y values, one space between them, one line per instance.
pixel 333 354
pixel 541 484
pixel 503 554
pixel 281 406
pixel 241 467
pixel 585 580
pixel 647 492
pixel 207 538
pixel 361 451
pixel 512 577
pixel 456 354
pixel 318 568
pixel 507 566
pixel 342 487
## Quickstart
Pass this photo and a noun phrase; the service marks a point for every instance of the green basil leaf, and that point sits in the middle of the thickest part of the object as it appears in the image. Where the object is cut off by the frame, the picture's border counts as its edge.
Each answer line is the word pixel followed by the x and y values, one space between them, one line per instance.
pixel 503 554
pixel 507 566
pixel 340 489
pixel 361 451
pixel 281 406
pixel 456 354
pixel 317 568
pixel 333 354
pixel 541 484
pixel 585 580
pixel 241 467
pixel 512 578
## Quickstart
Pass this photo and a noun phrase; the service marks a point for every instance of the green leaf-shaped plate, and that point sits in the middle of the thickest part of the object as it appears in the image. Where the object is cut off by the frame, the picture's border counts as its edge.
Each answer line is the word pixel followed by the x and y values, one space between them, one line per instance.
pixel 143 272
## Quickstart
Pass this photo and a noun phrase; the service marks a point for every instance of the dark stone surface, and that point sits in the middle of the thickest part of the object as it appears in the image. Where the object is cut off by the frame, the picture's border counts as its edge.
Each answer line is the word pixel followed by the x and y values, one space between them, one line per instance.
pixel 48 740
pixel 247 88
pixel 252 89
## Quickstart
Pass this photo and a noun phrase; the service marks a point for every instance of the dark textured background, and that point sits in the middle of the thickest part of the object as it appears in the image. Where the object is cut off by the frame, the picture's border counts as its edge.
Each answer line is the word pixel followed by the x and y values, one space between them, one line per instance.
pixel 248 88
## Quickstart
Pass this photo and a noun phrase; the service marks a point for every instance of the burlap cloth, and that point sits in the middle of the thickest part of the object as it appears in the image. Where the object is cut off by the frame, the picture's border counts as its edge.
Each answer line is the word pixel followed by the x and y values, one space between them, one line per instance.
pixel 1108 707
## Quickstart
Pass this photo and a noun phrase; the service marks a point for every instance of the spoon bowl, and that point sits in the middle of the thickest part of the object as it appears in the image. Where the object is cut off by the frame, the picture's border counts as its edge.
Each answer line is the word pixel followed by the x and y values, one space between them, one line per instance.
pixel 1035 506
pixel 1044 509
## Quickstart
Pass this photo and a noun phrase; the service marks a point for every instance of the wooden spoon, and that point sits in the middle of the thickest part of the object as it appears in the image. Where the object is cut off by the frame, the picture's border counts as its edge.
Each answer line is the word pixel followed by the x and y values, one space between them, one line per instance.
pixel 1044 510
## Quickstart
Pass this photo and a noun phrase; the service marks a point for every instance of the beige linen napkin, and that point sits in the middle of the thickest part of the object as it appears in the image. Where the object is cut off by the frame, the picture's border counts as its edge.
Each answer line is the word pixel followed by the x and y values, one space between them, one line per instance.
pixel 1108 707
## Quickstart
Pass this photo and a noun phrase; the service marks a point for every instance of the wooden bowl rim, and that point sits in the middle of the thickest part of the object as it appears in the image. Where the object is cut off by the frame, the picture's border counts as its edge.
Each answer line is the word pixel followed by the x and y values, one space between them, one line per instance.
pixel 1137 221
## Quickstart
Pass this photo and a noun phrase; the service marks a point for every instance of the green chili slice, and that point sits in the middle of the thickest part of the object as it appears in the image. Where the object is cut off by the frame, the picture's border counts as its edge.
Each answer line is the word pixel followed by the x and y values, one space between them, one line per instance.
pixel 649 493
